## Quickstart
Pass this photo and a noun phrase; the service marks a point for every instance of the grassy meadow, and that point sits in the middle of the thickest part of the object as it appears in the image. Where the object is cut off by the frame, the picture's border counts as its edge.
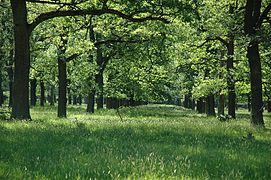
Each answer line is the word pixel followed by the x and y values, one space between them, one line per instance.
pixel 149 142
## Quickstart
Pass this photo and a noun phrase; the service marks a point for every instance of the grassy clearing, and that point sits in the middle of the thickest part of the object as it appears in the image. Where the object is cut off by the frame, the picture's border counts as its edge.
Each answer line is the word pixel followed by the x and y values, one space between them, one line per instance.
pixel 151 142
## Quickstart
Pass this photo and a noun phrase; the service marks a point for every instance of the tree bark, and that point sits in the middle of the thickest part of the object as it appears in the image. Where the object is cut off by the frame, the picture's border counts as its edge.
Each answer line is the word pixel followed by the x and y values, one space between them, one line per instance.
pixel 33 96
pixel 52 95
pixel 42 93
pixel 80 99
pixel 252 16
pixel 99 80
pixel 74 100
pixel 230 80
pixel 200 105
pixel 210 105
pixel 269 105
pixel 91 102
pixel 62 92
pixel 221 105
pixel 20 104
pixel 256 84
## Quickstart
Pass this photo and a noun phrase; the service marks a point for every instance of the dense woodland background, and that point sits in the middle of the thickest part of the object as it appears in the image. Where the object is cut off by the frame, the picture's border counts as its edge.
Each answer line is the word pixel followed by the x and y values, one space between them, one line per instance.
pixel 200 54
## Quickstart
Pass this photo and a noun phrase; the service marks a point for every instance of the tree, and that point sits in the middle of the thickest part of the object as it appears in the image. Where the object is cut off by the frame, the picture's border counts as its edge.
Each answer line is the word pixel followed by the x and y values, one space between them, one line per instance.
pixel 22 32
pixel 253 21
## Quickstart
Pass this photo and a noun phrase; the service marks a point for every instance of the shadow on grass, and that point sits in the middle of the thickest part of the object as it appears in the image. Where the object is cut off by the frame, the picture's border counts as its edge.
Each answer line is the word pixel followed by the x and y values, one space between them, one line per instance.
pixel 70 151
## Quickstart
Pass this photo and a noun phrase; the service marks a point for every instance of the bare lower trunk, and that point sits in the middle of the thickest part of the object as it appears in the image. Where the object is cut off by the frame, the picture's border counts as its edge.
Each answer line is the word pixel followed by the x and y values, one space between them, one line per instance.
pixel 20 102
pixel 62 92
pixel 91 102
pixel 256 84
pixel 33 96
pixel 42 93
pixel 221 105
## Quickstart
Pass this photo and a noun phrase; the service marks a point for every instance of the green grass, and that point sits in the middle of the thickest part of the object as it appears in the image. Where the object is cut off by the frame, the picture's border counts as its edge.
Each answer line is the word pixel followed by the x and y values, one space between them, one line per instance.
pixel 151 142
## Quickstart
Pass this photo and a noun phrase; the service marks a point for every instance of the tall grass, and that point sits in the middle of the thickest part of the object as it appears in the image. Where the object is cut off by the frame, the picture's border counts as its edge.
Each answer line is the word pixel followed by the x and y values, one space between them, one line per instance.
pixel 150 142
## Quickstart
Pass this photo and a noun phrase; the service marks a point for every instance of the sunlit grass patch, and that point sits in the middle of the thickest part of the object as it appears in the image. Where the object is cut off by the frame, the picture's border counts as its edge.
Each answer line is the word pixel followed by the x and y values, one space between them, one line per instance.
pixel 149 142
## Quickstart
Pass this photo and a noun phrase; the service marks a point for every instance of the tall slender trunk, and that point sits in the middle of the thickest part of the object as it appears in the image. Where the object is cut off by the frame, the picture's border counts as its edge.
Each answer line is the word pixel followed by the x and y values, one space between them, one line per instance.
pixel 80 99
pixel 20 104
pixel 42 93
pixel 62 92
pixel 230 80
pixel 33 96
pixel 99 80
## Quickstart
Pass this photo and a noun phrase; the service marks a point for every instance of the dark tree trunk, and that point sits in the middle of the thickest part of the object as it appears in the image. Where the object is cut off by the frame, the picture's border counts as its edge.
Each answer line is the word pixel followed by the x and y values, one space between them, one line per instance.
pixel 69 91
pixel 252 16
pixel 249 102
pixel 200 105
pixel 210 105
pixel 256 84
pixel 91 102
pixel 100 98
pixel 74 100
pixel 20 102
pixel 52 95
pixel 221 105
pixel 62 92
pixel 99 79
pixel 112 103
pixel 33 88
pixel 80 99
pixel 42 93
pixel 230 80
pixel 269 105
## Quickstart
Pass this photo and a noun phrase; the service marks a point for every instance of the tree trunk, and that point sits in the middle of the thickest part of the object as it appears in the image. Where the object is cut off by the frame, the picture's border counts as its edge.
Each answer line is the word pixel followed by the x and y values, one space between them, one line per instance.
pixel 230 80
pixel 269 105
pixel 52 95
pixel 74 100
pixel 210 105
pixel 100 98
pixel 20 104
pixel 33 96
pixel 91 102
pixel 252 16
pixel 221 105
pixel 42 93
pixel 80 99
pixel 256 84
pixel 249 102
pixel 62 92
pixel 200 105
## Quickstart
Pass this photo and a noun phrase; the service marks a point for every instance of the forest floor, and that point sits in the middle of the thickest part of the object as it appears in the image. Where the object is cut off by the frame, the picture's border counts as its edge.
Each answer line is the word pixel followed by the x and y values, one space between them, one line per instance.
pixel 149 142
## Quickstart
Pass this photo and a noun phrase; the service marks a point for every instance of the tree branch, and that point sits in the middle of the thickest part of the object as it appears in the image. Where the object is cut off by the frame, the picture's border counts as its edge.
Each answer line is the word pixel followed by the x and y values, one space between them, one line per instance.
pixel 52 2
pixel 263 16
pixel 217 38
pixel 72 57
pixel 97 12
